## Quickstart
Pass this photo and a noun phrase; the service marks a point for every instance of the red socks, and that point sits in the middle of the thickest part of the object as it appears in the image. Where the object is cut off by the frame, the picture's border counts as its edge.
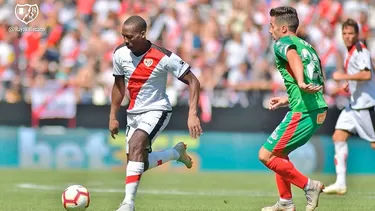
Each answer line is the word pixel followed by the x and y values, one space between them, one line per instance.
pixel 286 170
pixel 284 187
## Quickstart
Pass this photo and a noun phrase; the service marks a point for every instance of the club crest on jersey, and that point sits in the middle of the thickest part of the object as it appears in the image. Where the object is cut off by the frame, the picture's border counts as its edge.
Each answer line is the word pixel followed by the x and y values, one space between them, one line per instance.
pixel 148 62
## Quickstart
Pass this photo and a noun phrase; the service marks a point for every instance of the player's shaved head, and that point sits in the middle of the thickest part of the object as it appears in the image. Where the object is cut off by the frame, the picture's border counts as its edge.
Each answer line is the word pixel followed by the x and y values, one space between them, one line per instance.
pixel 134 33
pixel 286 16
pixel 137 23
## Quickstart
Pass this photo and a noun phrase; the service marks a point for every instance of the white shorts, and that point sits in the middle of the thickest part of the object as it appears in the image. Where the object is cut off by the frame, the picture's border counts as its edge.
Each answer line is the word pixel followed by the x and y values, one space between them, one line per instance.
pixel 152 122
pixel 357 121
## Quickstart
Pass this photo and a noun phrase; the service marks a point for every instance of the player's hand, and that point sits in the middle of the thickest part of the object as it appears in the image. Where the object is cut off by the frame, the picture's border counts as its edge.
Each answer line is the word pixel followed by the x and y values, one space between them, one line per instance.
pixel 277 102
pixel 113 127
pixel 309 88
pixel 345 87
pixel 194 126
pixel 338 76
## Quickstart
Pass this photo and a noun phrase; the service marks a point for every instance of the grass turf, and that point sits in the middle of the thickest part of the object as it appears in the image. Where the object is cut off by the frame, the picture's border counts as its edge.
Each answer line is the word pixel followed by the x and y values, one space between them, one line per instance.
pixel 40 190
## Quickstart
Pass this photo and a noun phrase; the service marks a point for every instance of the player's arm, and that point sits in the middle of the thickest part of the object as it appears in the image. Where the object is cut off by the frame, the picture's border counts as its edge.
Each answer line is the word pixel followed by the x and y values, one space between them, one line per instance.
pixel 296 65
pixel 363 62
pixel 117 95
pixel 277 102
pixel 363 75
pixel 194 126
pixel 181 70
pixel 194 89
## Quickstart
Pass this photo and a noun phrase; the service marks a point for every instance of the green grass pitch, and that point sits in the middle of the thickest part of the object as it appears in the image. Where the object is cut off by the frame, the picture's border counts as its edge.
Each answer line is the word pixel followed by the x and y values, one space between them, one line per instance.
pixel 40 190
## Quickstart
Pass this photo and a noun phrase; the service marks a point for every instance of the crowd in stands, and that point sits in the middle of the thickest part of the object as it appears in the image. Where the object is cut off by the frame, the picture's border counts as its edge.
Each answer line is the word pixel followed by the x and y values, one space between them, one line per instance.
pixel 226 42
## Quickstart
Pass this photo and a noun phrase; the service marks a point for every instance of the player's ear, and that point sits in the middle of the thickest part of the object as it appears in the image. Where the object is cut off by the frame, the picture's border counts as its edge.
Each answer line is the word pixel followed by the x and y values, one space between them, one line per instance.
pixel 143 35
pixel 284 29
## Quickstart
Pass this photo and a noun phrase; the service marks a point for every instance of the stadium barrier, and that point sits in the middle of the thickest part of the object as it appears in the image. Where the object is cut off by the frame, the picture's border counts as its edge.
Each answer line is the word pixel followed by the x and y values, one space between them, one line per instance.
pixel 248 120
pixel 61 148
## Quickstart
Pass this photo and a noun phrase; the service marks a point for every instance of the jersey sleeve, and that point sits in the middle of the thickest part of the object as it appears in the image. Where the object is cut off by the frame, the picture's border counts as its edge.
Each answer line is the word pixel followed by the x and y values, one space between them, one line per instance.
pixel 282 46
pixel 364 60
pixel 117 68
pixel 177 66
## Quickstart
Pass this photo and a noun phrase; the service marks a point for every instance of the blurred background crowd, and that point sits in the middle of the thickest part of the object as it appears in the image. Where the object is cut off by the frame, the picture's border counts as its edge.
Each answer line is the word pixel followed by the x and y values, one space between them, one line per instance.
pixel 226 42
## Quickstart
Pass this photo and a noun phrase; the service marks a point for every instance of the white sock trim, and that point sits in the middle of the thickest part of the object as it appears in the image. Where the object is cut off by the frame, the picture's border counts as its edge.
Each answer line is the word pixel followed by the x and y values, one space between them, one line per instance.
pixel 307 185
pixel 286 200
pixel 135 168
pixel 176 155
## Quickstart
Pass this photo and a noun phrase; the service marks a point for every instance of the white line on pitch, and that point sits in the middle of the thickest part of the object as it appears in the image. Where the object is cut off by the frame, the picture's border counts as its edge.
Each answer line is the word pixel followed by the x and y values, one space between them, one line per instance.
pixel 155 191
pixel 247 193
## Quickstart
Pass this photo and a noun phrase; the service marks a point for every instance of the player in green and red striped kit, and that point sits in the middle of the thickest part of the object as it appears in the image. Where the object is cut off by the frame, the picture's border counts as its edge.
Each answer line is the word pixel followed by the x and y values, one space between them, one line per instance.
pixel 300 68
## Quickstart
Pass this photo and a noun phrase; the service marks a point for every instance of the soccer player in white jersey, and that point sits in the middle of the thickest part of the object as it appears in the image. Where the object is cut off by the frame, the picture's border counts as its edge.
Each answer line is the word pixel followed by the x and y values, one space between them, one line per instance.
pixel 145 67
pixel 356 118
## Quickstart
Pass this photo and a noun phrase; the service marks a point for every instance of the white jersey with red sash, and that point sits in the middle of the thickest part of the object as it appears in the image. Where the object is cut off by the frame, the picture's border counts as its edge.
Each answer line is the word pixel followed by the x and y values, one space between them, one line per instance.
pixel 359 116
pixel 362 93
pixel 146 76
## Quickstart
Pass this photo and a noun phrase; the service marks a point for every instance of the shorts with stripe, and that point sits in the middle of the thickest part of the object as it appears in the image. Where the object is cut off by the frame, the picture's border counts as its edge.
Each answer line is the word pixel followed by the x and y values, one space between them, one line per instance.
pixel 152 122
pixel 357 121
pixel 294 131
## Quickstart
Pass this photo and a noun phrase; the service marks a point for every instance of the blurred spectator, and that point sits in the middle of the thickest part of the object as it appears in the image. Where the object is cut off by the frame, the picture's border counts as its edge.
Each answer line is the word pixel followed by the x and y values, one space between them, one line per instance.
pixel 239 81
pixel 226 42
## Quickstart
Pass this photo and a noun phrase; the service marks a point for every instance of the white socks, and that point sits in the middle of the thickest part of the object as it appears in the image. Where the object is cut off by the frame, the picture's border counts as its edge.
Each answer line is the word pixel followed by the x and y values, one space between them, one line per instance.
pixel 341 153
pixel 158 158
pixel 286 201
pixel 307 185
pixel 134 171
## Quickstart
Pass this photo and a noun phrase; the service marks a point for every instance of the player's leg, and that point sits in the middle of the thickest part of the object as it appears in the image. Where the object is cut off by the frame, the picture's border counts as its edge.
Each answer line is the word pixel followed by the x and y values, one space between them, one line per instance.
pixel 362 122
pixel 137 145
pixel 178 153
pixel 364 126
pixel 283 185
pixel 156 122
pixel 135 165
pixel 295 130
pixel 372 117
pixel 285 193
pixel 344 128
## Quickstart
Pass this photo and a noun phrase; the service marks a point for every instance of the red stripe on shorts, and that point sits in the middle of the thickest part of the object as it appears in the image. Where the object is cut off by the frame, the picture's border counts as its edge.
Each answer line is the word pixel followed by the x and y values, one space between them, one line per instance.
pixel 289 132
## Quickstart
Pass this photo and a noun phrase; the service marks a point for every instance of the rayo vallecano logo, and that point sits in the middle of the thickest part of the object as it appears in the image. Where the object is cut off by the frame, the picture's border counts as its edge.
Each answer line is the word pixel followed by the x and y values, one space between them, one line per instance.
pixel 148 62
pixel 26 12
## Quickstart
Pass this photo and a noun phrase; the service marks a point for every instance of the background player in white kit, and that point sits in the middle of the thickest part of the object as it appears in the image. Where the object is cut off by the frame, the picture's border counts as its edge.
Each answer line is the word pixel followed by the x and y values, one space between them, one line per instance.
pixel 145 67
pixel 356 118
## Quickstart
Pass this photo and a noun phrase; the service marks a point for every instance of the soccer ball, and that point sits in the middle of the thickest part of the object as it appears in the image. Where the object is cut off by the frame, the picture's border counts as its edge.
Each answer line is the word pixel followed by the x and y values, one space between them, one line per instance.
pixel 76 198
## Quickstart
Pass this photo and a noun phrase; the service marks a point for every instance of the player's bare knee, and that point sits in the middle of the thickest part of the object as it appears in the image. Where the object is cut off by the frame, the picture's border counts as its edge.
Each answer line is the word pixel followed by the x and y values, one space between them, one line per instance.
pixel 372 145
pixel 137 145
pixel 340 135
pixel 136 153
pixel 264 155
pixel 263 158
